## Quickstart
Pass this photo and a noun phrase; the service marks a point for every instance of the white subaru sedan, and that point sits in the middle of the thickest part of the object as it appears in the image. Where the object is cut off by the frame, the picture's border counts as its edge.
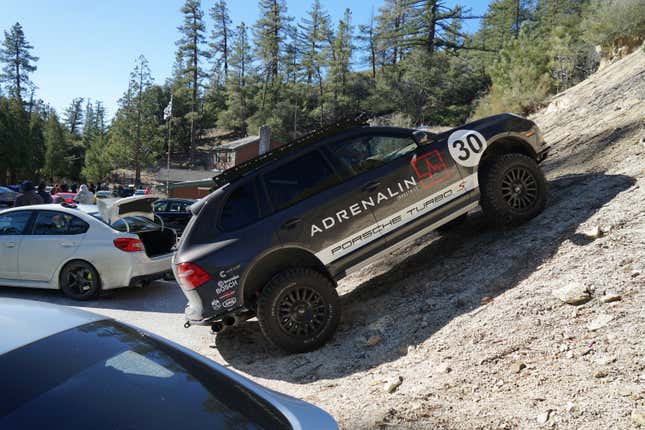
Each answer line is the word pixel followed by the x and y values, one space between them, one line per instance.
pixel 84 249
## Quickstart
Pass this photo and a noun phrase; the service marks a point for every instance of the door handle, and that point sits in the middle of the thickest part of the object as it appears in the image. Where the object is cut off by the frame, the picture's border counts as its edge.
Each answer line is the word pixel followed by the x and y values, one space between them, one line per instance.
pixel 68 244
pixel 289 224
pixel 371 186
pixel 11 244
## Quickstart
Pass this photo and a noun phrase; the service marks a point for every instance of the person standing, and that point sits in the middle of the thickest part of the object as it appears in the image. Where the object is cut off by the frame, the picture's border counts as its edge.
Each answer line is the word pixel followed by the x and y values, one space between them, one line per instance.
pixel 84 196
pixel 28 196
pixel 42 192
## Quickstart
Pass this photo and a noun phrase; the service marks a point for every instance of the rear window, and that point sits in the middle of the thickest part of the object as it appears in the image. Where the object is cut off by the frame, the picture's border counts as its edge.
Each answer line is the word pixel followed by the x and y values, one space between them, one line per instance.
pixel 134 224
pixel 105 375
pixel 299 179
pixel 241 208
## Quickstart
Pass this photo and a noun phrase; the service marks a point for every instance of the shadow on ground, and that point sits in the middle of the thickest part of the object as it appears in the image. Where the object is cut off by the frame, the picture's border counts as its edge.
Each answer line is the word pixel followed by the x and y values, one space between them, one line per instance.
pixel 159 296
pixel 440 280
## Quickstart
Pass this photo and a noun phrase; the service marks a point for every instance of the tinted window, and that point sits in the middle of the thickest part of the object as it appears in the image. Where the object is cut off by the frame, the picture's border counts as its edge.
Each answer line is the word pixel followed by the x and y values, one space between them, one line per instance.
pixel 14 222
pixel 160 206
pixel 58 223
pixel 369 152
pixel 104 375
pixel 134 224
pixel 299 179
pixel 241 208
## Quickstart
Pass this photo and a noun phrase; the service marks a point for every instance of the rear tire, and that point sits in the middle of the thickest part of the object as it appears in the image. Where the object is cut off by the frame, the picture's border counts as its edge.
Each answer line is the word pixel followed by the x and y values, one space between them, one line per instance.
pixel 299 310
pixel 79 281
pixel 513 189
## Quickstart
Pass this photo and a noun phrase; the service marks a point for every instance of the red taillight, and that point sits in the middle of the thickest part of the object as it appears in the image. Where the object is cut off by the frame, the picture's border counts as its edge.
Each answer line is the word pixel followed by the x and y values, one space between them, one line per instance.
pixel 190 275
pixel 128 244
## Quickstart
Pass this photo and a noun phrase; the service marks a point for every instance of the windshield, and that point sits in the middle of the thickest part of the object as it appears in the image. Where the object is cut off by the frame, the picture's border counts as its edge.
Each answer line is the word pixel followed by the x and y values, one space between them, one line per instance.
pixel 105 375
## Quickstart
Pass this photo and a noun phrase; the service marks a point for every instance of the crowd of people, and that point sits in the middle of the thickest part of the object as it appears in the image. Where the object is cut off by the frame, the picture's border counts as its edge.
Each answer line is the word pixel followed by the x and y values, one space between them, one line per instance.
pixel 83 194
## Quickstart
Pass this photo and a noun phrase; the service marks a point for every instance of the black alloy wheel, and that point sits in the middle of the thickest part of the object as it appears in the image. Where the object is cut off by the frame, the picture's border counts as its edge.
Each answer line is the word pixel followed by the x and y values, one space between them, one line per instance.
pixel 79 281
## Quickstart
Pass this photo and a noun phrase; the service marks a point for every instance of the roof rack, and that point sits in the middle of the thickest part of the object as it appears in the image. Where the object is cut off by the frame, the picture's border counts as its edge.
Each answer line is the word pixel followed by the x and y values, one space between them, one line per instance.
pixel 341 124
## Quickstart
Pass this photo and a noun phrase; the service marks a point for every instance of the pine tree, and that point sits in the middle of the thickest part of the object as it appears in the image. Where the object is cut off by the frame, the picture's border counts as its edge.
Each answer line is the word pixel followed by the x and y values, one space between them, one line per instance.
pixel 190 50
pixel 221 35
pixel 56 147
pixel 367 39
pixel 19 62
pixel 428 24
pixel 97 164
pixel 73 117
pixel 342 48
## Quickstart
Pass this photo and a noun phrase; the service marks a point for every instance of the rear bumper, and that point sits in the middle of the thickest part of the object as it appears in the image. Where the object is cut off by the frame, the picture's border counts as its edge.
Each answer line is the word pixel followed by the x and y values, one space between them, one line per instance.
pixel 132 269
pixel 141 280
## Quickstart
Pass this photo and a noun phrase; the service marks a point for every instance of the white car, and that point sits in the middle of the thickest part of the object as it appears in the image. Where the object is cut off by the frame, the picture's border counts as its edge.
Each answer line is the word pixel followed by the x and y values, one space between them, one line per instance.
pixel 84 249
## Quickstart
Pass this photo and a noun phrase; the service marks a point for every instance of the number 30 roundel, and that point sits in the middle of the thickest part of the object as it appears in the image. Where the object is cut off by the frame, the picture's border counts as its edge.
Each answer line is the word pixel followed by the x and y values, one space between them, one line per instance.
pixel 466 147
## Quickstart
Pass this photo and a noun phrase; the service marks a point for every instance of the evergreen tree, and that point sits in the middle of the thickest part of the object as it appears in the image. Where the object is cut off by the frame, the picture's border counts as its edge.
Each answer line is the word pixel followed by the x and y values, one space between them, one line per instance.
pixel 97 164
pixel 367 39
pixel 18 61
pixel 342 48
pixel 190 51
pixel 221 35
pixel 428 24
pixel 56 148
pixel 73 117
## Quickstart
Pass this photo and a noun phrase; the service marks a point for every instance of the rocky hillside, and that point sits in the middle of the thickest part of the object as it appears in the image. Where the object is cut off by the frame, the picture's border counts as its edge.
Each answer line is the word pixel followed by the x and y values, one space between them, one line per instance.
pixel 474 329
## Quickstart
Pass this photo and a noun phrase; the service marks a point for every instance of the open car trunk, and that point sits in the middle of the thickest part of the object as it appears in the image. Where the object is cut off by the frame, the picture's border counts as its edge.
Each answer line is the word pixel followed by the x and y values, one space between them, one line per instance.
pixel 157 242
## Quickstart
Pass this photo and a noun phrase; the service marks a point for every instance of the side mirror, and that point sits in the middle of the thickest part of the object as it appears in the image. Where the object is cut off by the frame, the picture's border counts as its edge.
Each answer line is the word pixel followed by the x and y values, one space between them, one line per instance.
pixel 422 137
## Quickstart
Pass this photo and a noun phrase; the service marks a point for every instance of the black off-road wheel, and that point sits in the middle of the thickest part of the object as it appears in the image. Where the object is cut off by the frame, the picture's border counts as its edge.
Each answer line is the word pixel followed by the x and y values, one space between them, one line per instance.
pixel 79 281
pixel 513 189
pixel 298 310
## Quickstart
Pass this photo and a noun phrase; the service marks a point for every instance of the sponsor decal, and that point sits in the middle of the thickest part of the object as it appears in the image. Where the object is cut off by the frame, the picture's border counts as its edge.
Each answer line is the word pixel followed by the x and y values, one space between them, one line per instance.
pixel 429 168
pixel 227 284
pixel 364 205
pixel 396 220
pixel 216 305
pixel 230 302
pixel 227 294
pixel 225 273
pixel 466 147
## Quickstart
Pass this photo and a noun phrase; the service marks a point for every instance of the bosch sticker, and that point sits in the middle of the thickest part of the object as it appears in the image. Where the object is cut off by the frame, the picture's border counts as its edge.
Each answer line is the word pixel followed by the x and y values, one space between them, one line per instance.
pixel 227 284
pixel 466 147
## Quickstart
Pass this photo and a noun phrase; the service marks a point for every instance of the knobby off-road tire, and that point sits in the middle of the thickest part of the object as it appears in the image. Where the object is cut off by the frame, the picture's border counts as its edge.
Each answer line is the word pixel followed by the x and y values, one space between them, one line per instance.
pixel 513 189
pixel 79 280
pixel 298 310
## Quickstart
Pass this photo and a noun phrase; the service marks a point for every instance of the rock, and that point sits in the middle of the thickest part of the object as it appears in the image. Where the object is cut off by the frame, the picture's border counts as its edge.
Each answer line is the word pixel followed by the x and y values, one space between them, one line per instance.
pixel 486 300
pixel 517 367
pixel 543 418
pixel 635 273
pixel 600 373
pixel 570 407
pixel 610 296
pixel 573 294
pixel 599 322
pixel 373 340
pixel 393 384
pixel 638 416
pixel 606 360
pixel 594 232
pixel 443 368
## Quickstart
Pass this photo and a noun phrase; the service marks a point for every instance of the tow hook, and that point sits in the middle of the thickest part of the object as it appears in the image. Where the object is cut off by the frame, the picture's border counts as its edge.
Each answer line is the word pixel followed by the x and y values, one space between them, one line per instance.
pixel 187 324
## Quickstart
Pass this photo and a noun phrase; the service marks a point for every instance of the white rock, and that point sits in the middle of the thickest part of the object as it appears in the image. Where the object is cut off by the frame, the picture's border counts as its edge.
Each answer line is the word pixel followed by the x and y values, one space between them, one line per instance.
pixel 543 418
pixel 443 368
pixel 638 416
pixel 573 294
pixel 610 296
pixel 599 322
pixel 594 232
pixel 393 384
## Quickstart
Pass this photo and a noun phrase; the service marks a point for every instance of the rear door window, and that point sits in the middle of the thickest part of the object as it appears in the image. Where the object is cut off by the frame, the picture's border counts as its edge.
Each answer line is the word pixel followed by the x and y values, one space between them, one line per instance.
pixel 301 178
pixel 13 223
pixel 58 223
pixel 241 208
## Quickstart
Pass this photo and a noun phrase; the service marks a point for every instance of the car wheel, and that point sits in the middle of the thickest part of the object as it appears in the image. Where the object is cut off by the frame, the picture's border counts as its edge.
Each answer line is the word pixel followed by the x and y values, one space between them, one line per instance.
pixel 79 281
pixel 299 310
pixel 513 189
pixel 452 224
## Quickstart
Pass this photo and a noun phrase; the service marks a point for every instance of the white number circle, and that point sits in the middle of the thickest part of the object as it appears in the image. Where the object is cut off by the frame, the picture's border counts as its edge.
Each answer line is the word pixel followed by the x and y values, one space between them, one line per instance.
pixel 466 147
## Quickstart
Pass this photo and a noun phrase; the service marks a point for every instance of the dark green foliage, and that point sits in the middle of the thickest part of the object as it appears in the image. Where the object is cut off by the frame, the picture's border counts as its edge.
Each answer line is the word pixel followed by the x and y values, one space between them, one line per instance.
pixel 18 62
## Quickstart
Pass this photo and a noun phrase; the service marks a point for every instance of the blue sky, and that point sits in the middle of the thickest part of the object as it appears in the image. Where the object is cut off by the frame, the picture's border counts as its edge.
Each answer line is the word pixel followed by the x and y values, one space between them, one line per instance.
pixel 87 48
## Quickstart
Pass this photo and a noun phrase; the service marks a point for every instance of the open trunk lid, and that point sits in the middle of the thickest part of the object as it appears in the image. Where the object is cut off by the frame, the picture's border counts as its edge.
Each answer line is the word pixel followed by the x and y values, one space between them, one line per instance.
pixel 114 209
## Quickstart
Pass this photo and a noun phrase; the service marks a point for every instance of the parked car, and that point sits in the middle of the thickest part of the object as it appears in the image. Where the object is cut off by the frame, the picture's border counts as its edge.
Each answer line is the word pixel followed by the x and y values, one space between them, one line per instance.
pixel 174 212
pixel 104 194
pixel 7 197
pixel 103 374
pixel 281 229
pixel 140 192
pixel 63 197
pixel 84 249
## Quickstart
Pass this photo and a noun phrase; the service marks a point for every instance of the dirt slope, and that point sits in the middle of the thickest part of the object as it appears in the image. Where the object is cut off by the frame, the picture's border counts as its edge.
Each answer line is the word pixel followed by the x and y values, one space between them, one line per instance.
pixel 468 319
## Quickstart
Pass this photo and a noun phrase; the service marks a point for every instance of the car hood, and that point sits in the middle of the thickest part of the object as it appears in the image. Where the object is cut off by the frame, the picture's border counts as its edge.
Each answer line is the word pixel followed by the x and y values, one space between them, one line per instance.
pixel 112 210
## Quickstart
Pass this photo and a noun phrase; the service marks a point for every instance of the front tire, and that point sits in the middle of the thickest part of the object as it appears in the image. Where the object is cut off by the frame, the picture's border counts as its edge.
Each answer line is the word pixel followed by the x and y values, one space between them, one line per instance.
pixel 79 281
pixel 513 189
pixel 299 310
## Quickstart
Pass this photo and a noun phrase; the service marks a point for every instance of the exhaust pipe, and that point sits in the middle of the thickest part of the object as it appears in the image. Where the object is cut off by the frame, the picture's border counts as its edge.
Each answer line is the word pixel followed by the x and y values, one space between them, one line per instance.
pixel 217 327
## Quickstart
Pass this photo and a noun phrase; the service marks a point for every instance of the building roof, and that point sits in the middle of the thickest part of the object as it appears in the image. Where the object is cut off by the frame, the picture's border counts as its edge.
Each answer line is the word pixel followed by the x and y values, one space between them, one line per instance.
pixel 236 143
pixel 181 175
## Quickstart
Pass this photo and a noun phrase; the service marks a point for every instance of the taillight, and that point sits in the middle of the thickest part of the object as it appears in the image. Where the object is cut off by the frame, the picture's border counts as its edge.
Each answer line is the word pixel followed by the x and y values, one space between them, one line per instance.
pixel 190 275
pixel 128 244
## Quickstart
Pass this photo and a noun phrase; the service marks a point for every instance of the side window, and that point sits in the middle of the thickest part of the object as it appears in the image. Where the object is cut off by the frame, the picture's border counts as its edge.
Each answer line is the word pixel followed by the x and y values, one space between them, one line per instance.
pixel 241 208
pixel 175 206
pixel 160 206
pixel 299 179
pixel 14 222
pixel 58 223
pixel 369 152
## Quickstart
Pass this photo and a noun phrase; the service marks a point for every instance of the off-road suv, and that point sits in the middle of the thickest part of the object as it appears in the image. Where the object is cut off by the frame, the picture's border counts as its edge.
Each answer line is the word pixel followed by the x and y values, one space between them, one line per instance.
pixel 279 231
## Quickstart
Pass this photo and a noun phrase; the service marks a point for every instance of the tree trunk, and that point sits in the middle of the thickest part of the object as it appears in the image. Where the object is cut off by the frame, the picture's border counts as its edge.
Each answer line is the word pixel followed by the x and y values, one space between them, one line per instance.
pixel 193 127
